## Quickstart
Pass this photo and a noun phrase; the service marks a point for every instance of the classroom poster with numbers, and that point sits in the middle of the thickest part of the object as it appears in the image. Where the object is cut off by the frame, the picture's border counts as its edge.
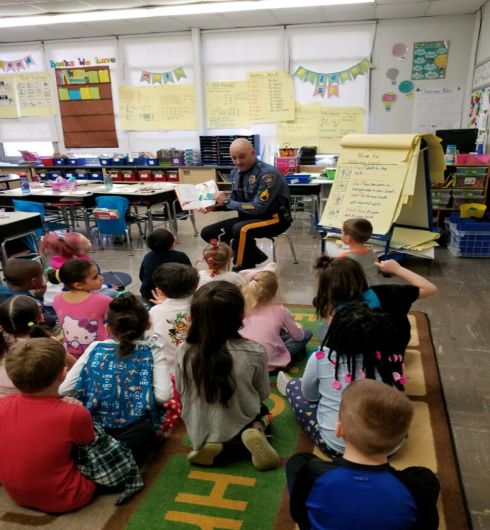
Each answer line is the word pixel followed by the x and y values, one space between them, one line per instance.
pixel 8 101
pixel 227 105
pixel 271 96
pixel 157 108
pixel 34 94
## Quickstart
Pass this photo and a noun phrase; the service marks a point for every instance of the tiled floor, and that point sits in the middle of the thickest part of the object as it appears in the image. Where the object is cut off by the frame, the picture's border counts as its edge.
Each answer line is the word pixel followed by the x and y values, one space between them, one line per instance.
pixel 460 320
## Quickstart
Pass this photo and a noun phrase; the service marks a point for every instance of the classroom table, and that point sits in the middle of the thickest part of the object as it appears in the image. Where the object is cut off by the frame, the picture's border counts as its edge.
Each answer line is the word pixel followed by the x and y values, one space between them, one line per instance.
pixel 318 190
pixel 144 194
pixel 14 225
pixel 7 179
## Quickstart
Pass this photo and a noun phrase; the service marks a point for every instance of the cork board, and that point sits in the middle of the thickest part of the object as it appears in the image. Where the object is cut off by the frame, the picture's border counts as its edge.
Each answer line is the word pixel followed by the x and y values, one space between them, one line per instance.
pixel 87 111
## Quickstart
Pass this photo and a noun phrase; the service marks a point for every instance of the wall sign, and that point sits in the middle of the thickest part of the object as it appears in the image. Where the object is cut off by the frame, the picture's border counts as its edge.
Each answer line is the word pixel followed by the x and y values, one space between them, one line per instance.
pixel 430 60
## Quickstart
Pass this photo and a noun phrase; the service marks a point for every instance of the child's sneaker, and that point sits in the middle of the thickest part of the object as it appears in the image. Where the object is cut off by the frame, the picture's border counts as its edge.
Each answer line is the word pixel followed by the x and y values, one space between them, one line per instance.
pixel 264 456
pixel 282 382
pixel 205 455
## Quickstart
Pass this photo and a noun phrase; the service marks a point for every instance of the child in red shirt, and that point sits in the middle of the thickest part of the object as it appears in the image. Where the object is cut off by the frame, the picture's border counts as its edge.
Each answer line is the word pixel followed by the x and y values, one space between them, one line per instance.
pixel 39 432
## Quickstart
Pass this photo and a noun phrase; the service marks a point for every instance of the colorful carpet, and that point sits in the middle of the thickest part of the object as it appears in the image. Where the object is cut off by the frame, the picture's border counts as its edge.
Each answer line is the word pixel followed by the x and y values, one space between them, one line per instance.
pixel 177 496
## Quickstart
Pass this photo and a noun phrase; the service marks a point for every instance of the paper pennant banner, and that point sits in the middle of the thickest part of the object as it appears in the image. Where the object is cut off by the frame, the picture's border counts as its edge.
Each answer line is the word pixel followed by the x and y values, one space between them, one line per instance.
pixel 333 90
pixel 329 82
pixel 160 78
pixel 179 73
pixel 17 64
pixel 146 77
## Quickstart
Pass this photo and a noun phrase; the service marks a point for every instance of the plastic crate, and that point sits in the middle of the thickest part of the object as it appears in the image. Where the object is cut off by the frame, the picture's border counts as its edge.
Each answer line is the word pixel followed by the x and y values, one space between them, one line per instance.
pixel 298 179
pixel 471 170
pixel 472 159
pixel 287 165
pixel 469 237
pixel 103 161
pixel 465 196
pixel 470 181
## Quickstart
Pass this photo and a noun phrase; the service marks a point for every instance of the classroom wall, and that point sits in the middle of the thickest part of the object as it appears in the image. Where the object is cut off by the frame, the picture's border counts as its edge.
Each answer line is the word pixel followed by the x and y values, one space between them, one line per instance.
pixel 326 48
pixel 458 30
pixel 483 51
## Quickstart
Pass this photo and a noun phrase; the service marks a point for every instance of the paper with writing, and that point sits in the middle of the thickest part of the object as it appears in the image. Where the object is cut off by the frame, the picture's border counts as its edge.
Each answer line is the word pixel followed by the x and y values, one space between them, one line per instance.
pixel 227 104
pixel 271 96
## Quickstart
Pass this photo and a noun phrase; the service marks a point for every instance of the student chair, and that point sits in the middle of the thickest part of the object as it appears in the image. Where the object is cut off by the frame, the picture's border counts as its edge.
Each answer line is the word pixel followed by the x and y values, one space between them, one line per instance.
pixel 49 224
pixel 272 239
pixel 274 249
pixel 114 227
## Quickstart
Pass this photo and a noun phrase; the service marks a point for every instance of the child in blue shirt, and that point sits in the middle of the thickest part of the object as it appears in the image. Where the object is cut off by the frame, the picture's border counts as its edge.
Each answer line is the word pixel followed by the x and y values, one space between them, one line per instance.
pixel 361 490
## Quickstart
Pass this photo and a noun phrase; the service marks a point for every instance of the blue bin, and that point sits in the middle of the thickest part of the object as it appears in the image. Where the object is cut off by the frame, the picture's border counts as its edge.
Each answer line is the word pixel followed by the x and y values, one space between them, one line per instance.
pixel 106 161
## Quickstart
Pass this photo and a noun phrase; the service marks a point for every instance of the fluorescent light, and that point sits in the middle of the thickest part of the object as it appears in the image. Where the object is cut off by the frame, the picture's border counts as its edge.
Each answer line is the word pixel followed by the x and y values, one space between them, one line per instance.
pixel 171 11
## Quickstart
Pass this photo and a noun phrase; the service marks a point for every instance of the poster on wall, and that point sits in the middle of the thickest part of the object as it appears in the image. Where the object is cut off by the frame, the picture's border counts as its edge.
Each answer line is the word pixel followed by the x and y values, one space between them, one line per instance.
pixel 436 109
pixel 481 77
pixel 8 101
pixel 430 60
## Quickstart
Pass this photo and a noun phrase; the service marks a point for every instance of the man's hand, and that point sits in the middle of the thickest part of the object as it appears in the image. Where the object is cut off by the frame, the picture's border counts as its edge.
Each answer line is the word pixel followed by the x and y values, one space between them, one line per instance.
pixel 207 210
pixel 220 197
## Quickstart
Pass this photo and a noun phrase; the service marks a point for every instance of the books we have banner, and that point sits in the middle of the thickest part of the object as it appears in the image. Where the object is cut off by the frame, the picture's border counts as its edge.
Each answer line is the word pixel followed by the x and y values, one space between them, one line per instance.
pixel 382 178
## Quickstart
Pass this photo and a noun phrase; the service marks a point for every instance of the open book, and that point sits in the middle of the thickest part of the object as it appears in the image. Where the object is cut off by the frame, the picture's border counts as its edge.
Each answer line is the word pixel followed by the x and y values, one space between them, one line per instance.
pixel 195 196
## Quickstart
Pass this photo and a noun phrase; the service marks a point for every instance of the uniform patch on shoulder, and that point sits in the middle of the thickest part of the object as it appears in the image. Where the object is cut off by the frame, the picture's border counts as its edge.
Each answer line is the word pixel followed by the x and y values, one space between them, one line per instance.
pixel 269 179
pixel 252 180
pixel 264 196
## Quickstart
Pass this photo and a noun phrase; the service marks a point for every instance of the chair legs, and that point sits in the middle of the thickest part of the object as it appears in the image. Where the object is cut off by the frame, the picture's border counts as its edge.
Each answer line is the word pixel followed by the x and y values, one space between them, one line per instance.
pixel 127 236
pixel 129 242
pixel 291 247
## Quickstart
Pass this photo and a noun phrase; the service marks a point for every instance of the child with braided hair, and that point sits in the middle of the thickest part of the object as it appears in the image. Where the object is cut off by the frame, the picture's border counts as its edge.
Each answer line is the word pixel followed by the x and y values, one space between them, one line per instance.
pixel 124 382
pixel 360 343
pixel 218 256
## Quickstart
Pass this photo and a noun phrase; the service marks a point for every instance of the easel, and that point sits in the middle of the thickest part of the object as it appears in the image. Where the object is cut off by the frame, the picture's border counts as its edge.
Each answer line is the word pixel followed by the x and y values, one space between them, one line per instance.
pixel 386 238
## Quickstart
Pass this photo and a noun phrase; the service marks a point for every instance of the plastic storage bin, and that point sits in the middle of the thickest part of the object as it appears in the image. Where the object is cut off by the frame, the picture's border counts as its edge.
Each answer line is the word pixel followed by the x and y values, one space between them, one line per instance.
pixel 441 198
pixel 287 165
pixel 463 196
pixel 471 170
pixel 106 161
pixel 470 181
pixel 298 179
pixel 469 237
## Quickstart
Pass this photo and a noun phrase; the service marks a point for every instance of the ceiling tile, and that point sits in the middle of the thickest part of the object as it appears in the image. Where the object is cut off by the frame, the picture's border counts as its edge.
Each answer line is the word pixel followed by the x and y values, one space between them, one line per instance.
pixel 398 2
pixel 205 21
pixel 405 10
pixel 300 15
pixel 250 19
pixel 453 7
pixel 57 6
pixel 17 10
pixel 349 13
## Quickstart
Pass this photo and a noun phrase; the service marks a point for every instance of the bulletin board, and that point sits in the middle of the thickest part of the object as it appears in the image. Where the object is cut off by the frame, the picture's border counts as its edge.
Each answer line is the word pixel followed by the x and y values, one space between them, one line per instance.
pixel 86 107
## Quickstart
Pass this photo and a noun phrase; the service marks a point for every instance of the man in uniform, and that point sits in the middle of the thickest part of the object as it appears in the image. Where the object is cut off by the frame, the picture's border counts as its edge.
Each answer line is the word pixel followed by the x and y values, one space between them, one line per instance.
pixel 260 195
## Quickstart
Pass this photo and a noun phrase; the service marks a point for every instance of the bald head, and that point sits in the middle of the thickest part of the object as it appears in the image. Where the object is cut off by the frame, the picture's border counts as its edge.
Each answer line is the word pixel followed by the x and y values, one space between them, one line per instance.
pixel 243 154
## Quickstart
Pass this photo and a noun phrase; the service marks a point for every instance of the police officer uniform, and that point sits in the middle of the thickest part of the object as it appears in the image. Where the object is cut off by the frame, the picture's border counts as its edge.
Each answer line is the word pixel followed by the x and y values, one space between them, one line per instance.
pixel 261 197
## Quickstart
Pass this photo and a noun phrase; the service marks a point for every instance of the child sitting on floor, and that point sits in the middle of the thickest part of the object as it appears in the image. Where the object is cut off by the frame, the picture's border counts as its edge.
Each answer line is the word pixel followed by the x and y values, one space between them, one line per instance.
pixel 270 323
pixel 343 280
pixel 355 233
pixel 39 432
pixel 361 490
pixel 218 258
pixel 161 243
pixel 124 382
pixel 20 317
pixel 223 380
pixel 359 344
pixel 73 245
pixel 170 319
pixel 81 311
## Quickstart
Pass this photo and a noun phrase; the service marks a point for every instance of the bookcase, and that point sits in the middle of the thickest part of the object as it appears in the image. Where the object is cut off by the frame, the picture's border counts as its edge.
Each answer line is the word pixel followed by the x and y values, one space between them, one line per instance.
pixel 463 184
